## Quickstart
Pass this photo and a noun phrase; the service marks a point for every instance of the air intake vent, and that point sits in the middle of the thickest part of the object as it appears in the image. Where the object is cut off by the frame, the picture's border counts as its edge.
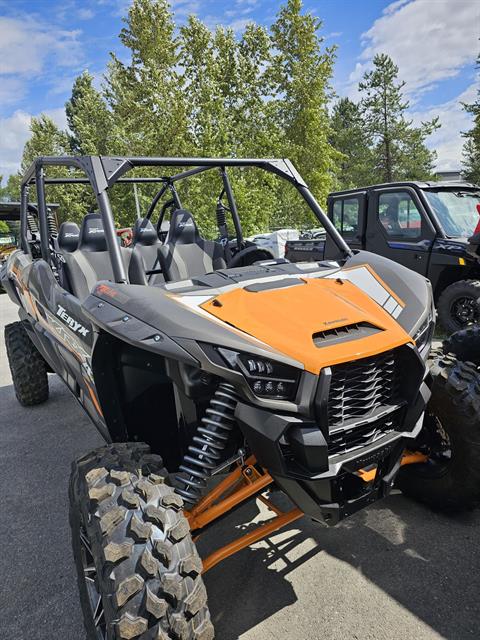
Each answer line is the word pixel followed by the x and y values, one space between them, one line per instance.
pixel 342 334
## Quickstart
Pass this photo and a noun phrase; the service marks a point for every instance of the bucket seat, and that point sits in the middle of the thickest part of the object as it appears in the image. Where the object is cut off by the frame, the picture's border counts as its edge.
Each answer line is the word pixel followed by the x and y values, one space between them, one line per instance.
pixel 68 237
pixel 145 244
pixel 90 262
pixel 185 253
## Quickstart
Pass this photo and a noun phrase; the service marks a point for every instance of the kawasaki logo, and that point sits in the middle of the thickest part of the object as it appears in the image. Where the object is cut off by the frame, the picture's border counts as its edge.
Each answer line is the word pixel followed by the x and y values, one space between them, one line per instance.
pixel 73 324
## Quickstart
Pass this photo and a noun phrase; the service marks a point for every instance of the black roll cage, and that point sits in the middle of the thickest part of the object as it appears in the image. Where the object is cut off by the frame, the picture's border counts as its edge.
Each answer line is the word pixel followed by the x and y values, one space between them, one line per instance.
pixel 104 171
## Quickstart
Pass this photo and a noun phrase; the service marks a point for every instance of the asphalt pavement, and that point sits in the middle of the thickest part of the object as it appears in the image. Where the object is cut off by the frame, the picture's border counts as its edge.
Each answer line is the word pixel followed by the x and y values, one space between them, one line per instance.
pixel 394 571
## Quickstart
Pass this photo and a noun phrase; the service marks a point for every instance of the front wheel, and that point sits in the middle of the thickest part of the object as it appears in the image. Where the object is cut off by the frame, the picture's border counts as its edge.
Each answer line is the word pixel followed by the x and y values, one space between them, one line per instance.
pixel 28 368
pixel 450 479
pixel 139 573
pixel 458 305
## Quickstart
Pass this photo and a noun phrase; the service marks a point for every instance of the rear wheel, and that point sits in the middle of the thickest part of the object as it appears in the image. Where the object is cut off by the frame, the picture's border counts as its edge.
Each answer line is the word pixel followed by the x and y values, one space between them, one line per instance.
pixel 138 569
pixel 27 366
pixel 450 480
pixel 458 305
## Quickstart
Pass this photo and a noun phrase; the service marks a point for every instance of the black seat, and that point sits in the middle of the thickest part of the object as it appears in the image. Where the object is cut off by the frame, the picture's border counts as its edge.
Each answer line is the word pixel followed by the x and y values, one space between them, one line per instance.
pixel 185 253
pixel 145 244
pixel 68 237
pixel 90 262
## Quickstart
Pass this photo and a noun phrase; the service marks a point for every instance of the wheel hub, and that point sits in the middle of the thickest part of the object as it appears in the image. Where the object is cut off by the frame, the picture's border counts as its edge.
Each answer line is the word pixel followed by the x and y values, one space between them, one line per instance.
pixel 90 577
pixel 465 310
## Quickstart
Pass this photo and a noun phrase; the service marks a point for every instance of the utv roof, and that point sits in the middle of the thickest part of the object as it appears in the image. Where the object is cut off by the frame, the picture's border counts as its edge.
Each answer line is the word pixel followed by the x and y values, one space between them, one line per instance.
pixel 104 171
pixel 411 183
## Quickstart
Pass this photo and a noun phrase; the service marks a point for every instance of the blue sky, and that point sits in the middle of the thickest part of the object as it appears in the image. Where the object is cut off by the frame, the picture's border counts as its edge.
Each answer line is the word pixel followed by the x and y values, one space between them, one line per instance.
pixel 45 44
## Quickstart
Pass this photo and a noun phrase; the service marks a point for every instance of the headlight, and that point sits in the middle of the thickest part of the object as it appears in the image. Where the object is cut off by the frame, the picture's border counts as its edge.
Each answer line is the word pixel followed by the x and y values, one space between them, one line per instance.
pixel 266 378
pixel 424 334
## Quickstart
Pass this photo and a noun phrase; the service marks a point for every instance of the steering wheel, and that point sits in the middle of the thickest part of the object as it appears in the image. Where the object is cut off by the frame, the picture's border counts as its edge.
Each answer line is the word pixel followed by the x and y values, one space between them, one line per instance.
pixel 163 234
pixel 249 255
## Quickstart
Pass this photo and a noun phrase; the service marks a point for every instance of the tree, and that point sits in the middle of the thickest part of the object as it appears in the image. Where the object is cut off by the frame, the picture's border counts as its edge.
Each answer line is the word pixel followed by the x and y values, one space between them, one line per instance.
pixel 196 91
pixel 471 148
pixel 398 147
pixel 301 72
pixel 88 118
pixel 48 140
pixel 351 138
pixel 5 194
pixel 226 84
pixel 146 95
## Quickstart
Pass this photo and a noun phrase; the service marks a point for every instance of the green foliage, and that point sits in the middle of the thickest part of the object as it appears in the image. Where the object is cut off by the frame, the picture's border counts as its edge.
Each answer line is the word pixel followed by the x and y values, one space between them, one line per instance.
pixel 301 73
pixel 48 140
pixel 471 149
pixel 88 118
pixel 4 228
pixel 194 91
pixel 351 138
pixel 5 193
pixel 398 147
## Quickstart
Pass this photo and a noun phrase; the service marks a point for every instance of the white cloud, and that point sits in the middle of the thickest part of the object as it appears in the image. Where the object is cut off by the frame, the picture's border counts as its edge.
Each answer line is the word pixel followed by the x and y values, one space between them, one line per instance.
pixel 85 14
pixel 26 44
pixel 11 91
pixel 429 41
pixel 14 132
pixel 448 141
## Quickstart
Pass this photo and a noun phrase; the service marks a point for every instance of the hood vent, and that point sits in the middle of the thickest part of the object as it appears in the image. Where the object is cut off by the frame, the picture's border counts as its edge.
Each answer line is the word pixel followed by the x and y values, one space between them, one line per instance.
pixel 355 331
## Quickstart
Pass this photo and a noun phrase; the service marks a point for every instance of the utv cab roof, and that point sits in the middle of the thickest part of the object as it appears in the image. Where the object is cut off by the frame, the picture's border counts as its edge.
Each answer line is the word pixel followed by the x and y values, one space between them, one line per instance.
pixel 411 183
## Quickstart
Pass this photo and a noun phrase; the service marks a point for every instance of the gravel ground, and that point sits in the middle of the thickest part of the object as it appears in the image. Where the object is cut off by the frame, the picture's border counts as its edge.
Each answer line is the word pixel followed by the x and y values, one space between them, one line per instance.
pixel 394 571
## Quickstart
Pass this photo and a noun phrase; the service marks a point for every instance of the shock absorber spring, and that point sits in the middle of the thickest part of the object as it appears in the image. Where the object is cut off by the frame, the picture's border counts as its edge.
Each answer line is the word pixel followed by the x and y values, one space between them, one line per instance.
pixel 210 440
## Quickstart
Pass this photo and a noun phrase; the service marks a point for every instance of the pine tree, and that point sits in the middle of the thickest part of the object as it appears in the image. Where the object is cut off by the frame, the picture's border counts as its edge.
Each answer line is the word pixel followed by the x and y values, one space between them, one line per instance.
pixel 351 138
pixel 471 148
pixel 398 147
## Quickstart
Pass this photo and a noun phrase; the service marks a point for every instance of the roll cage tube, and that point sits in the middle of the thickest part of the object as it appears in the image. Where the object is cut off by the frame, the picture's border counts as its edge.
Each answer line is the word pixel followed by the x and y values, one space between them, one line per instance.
pixel 102 172
pixel 42 213
pixel 23 219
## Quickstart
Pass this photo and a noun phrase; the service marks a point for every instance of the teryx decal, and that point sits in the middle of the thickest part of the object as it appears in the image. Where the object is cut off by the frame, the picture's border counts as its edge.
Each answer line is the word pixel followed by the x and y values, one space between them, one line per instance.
pixel 72 323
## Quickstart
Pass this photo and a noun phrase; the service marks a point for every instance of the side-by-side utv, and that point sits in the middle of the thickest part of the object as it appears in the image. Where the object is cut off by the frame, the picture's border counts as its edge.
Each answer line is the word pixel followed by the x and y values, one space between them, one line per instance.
pixel 216 374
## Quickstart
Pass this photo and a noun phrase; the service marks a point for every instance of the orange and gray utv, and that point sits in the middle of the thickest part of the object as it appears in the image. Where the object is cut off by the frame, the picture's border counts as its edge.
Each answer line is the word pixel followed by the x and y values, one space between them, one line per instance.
pixel 216 374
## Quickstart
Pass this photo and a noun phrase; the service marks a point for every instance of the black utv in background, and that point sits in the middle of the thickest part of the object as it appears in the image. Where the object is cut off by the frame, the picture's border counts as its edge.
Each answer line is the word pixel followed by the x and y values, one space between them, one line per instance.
pixel 424 226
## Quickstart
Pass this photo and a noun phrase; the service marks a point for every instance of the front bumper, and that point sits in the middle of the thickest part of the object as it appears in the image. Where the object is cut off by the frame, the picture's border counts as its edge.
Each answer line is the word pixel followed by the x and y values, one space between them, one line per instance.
pixel 327 487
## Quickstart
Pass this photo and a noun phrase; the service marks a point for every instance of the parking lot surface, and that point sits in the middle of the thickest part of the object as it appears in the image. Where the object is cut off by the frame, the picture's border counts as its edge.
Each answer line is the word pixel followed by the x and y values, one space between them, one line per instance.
pixel 393 571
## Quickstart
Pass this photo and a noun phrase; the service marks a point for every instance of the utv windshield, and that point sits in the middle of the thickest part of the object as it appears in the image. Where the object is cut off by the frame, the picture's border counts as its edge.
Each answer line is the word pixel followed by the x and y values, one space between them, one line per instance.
pixel 457 211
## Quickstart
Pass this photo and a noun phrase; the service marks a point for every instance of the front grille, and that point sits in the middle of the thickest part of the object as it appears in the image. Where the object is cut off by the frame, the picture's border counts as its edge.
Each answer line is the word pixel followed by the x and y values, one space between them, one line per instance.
pixel 362 388
pixel 356 437
pixel 365 400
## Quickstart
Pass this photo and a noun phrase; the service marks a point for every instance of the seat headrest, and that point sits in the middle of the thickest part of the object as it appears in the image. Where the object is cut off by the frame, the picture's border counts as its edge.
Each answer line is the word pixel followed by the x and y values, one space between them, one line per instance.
pixel 144 232
pixel 183 228
pixel 68 236
pixel 92 234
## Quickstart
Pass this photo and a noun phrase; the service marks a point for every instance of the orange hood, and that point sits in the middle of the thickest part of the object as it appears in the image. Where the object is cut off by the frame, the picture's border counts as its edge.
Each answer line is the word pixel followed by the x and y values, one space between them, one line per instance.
pixel 287 318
